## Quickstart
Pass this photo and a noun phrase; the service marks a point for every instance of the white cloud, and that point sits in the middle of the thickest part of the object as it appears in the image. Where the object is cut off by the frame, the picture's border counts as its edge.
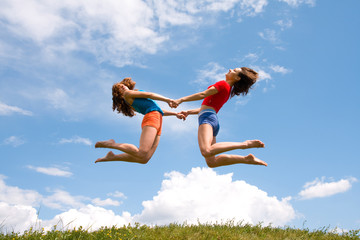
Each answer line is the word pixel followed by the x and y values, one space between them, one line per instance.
pixel 98 29
pixel 6 110
pixel 76 139
pixel 17 218
pixel 17 207
pixel 296 3
pixel 211 73
pixel 14 141
pixel 52 171
pixel 319 188
pixel 253 7
pixel 269 35
pixel 205 196
pixel 33 18
pixel 89 217
pixel 58 98
pixel 63 200
pixel 109 29
pixel 74 101
pixel 242 101
pixel 189 12
pixel 280 69
pixel 17 196
pixel 202 195
pixel 284 24
pixel 59 199
pixel 251 57
pixel 263 75
pixel 117 194
pixel 106 202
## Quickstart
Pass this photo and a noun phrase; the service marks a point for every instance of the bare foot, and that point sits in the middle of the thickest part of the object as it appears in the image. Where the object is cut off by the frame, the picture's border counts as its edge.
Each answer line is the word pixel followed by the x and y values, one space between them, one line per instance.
pixel 109 157
pixel 254 144
pixel 253 160
pixel 104 144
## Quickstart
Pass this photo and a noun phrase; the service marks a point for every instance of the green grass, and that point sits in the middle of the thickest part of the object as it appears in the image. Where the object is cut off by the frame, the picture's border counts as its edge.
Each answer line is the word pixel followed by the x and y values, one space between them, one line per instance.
pixel 177 231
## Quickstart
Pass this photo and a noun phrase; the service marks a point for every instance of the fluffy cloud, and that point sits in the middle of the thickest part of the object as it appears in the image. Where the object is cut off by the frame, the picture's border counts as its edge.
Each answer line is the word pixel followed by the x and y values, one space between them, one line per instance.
pixel 280 69
pixel 210 74
pixel 89 217
pixel 17 196
pixel 104 28
pixel 6 110
pixel 201 195
pixel 108 29
pixel 106 202
pixel 284 24
pixel 76 139
pixel 18 210
pixel 47 37
pixel 52 171
pixel 253 57
pixel 117 194
pixel 296 3
pixel 17 218
pixel 63 200
pixel 263 75
pixel 14 141
pixel 205 196
pixel 188 12
pixel 319 188
pixel 270 35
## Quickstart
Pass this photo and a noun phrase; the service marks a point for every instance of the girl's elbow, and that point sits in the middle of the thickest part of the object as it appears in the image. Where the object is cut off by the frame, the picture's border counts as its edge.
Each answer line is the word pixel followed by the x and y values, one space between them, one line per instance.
pixel 203 95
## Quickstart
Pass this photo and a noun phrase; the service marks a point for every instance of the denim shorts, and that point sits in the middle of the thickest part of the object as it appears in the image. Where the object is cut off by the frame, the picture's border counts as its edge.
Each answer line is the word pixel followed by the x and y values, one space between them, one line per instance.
pixel 209 116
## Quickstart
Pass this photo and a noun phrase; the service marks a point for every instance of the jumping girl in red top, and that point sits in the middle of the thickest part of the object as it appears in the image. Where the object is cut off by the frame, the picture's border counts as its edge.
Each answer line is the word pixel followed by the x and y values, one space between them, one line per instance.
pixel 238 81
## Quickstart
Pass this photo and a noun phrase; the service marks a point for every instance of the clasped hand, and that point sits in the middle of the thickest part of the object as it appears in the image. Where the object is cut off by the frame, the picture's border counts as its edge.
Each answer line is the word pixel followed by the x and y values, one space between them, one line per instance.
pixel 174 104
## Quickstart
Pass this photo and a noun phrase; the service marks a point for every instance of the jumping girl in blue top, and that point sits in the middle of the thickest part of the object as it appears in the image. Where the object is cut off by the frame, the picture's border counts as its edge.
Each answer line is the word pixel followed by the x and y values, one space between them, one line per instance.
pixel 127 101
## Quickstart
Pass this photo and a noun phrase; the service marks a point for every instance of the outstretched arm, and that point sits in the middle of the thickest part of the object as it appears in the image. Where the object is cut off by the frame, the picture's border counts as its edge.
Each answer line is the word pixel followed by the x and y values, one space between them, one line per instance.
pixel 190 112
pixel 151 95
pixel 197 96
pixel 178 115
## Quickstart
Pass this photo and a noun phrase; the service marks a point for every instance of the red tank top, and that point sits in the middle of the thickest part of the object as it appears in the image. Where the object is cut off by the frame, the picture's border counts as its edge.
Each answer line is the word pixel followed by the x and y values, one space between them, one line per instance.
pixel 216 101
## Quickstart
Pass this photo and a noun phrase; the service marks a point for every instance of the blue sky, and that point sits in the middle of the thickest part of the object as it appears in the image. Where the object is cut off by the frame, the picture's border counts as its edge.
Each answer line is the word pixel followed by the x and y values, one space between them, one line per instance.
pixel 58 62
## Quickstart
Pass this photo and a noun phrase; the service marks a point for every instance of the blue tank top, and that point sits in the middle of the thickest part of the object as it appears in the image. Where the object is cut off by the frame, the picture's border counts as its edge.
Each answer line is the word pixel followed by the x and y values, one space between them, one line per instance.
pixel 145 105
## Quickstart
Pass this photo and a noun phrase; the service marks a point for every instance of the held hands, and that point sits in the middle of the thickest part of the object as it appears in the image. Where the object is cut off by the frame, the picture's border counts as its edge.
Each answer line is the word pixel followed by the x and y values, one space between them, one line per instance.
pixel 181 116
pixel 185 113
pixel 174 103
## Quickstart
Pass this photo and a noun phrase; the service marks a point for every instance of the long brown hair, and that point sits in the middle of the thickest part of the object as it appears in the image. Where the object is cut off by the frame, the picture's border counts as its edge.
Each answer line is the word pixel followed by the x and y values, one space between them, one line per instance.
pixel 248 78
pixel 119 102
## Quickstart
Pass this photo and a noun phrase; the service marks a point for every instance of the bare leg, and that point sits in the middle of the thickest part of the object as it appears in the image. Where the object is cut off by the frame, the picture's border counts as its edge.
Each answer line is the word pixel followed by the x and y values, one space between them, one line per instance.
pixel 110 157
pixel 149 141
pixel 226 159
pixel 125 147
pixel 209 148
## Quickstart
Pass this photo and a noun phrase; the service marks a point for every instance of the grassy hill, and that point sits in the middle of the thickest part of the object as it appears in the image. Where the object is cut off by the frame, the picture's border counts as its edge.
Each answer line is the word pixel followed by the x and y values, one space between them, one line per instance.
pixel 177 231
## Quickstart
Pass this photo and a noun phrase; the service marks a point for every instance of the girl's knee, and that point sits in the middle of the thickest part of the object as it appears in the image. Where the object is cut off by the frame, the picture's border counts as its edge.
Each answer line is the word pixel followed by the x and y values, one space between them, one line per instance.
pixel 211 163
pixel 144 157
pixel 205 152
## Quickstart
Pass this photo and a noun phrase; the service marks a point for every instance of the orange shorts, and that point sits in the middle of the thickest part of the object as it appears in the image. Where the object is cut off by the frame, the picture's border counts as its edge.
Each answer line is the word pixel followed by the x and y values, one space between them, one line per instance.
pixel 153 119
